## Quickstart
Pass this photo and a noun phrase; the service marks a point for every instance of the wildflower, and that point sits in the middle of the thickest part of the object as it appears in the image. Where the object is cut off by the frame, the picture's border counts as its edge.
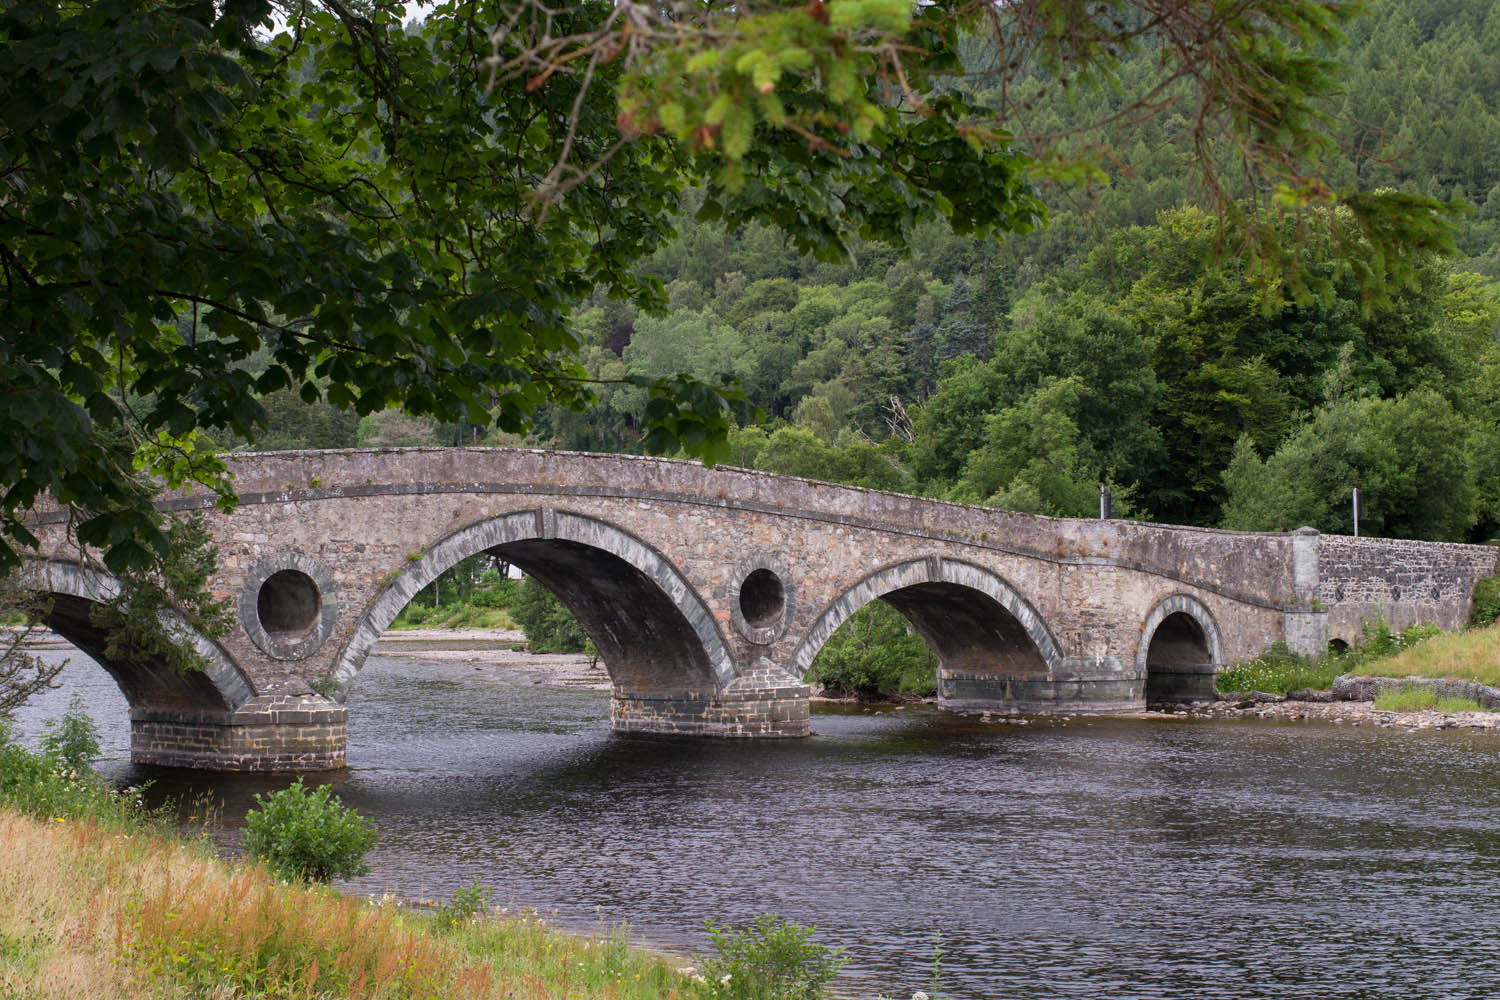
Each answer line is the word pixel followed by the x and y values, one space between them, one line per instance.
pixel 919 995
pixel 724 979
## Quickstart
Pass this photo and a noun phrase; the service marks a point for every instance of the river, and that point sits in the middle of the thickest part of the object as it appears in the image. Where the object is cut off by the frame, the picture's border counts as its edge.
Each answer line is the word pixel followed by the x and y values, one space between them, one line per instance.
pixel 1126 858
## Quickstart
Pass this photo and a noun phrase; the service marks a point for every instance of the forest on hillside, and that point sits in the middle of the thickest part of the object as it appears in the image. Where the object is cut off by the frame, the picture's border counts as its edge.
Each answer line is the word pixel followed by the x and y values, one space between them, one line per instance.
pixel 1118 346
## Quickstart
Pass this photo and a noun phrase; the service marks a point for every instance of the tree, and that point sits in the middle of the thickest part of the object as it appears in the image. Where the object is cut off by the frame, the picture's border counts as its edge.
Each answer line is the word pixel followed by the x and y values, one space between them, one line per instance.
pixel 1032 458
pixel 1407 456
pixel 393 215
pixel 22 672
pixel 875 652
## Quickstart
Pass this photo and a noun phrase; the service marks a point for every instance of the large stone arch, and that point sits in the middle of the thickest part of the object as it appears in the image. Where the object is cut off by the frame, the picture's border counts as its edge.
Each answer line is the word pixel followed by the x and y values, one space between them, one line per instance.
pixel 977 622
pixel 652 630
pixel 71 590
pixel 1180 651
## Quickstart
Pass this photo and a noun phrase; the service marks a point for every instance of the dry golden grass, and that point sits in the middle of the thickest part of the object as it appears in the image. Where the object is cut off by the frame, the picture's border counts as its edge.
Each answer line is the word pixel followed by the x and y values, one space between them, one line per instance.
pixel 91 913
pixel 1473 656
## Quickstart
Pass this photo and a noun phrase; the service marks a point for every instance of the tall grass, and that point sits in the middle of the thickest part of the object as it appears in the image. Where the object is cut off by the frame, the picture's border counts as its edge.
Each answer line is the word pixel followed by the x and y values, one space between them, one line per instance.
pixel 102 914
pixel 1472 655
pixel 102 900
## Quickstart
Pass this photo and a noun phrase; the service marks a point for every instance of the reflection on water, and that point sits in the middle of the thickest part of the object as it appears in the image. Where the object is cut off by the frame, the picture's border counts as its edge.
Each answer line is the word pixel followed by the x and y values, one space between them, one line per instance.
pixel 1092 858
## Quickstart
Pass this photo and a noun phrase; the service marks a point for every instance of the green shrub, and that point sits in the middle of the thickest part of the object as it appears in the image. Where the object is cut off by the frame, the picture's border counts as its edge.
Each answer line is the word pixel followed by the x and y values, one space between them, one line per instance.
pixel 772 959
pixel 308 834
pixel 1379 641
pixel 464 905
pixel 45 786
pixel 549 627
pixel 496 592
pixel 875 652
pixel 73 739
pixel 1486 602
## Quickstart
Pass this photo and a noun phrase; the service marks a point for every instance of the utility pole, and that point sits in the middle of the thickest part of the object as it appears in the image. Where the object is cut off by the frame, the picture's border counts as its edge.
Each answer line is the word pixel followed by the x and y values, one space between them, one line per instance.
pixel 1356 512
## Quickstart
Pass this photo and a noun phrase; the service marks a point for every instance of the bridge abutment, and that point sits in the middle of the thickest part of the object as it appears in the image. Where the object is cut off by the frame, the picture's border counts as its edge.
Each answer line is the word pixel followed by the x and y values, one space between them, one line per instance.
pixel 1082 686
pixel 279 734
pixel 761 703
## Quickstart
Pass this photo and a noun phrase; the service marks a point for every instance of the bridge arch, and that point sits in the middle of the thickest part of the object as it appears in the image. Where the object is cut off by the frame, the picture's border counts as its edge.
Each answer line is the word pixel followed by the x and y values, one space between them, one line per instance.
pixel 972 618
pixel 652 630
pixel 1180 651
pixel 72 590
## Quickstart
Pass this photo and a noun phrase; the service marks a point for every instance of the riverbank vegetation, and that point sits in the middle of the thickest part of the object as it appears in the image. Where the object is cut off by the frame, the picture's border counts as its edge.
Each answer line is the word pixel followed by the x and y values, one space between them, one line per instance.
pixel 1419 651
pixel 114 904
pixel 1417 699
pixel 473 593
pixel 1472 656
pixel 875 654
pixel 122 910
pixel 104 899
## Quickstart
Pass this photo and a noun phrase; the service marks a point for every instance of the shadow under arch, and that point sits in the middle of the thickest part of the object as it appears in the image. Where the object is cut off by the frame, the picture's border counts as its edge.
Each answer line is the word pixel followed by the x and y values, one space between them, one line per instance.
pixel 652 630
pixel 978 624
pixel 1180 652
pixel 71 591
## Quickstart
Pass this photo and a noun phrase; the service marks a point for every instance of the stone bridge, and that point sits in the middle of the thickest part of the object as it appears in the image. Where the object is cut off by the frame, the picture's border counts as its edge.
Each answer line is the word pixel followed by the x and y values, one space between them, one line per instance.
pixel 709 592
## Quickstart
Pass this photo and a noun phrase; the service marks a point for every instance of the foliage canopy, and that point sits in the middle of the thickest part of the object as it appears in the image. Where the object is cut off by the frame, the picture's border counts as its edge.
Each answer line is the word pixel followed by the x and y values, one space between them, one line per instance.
pixel 206 203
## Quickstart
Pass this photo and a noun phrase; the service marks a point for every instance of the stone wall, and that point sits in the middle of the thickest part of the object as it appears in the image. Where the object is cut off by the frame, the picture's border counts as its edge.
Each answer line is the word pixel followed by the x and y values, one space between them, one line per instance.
pixel 1407 581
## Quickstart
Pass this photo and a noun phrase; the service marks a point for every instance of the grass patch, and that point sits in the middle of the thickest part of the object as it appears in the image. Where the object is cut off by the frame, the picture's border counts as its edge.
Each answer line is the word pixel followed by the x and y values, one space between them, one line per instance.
pixel 467 616
pixel 1410 698
pixel 1470 656
pixel 1405 699
pixel 1453 705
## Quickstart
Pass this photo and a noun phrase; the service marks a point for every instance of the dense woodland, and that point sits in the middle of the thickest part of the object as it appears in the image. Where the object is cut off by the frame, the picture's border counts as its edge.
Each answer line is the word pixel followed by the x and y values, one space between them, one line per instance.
pixel 1122 345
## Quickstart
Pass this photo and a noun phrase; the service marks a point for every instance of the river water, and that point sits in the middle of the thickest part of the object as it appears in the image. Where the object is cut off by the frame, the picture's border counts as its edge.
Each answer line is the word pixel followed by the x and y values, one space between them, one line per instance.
pixel 1078 858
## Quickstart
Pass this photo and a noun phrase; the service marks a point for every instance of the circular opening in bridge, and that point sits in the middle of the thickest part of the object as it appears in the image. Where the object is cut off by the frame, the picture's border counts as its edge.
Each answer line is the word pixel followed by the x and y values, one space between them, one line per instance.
pixel 288 603
pixel 762 598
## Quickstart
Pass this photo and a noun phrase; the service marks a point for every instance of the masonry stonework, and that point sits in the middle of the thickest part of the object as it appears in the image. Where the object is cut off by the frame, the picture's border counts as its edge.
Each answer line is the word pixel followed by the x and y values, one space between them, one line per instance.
pixel 709 592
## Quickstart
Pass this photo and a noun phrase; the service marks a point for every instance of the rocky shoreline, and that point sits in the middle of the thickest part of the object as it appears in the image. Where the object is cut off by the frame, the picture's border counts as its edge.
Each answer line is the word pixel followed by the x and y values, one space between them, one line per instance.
pixel 1324 707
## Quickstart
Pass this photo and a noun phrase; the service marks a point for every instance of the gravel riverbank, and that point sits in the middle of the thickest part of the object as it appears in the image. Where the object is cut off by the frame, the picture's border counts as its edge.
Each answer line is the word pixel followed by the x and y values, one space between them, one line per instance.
pixel 1352 713
pixel 500 652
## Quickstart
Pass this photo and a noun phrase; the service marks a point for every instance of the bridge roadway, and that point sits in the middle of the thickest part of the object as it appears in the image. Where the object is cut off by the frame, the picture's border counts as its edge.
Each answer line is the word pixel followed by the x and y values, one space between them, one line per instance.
pixel 708 593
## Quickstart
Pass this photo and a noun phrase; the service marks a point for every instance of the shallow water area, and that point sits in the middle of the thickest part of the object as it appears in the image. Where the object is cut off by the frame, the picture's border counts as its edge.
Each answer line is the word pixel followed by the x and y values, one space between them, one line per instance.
pixel 1086 857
